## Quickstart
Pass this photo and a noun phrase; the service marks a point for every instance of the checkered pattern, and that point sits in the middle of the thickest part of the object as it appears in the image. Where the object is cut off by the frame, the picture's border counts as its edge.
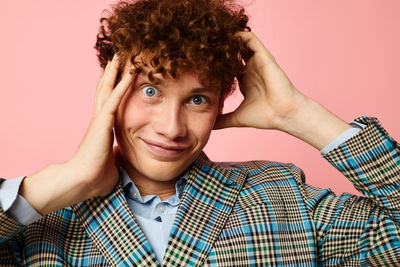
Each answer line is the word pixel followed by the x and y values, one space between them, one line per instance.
pixel 236 214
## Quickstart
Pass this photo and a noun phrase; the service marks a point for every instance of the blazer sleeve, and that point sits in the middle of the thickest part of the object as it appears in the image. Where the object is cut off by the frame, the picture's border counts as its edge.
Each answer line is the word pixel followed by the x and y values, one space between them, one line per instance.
pixel 11 239
pixel 354 230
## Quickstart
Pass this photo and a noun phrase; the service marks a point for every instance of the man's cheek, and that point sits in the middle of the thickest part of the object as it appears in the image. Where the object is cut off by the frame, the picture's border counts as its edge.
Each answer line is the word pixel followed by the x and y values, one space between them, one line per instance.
pixel 138 114
pixel 203 127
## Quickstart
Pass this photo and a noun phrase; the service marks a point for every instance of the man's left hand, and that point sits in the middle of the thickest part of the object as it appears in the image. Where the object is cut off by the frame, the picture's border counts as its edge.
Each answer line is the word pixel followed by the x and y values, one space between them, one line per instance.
pixel 271 101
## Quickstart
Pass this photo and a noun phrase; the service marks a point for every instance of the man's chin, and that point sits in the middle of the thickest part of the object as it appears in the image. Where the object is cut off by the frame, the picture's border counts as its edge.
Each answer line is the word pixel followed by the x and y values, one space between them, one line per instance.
pixel 157 171
pixel 164 174
pixel 149 167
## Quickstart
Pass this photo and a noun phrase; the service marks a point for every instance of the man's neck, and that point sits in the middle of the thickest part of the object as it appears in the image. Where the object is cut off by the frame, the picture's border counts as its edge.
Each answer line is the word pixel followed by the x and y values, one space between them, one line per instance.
pixel 147 186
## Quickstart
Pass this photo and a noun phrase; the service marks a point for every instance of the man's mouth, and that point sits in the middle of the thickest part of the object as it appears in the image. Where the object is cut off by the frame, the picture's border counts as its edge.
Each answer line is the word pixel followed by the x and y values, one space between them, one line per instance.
pixel 165 151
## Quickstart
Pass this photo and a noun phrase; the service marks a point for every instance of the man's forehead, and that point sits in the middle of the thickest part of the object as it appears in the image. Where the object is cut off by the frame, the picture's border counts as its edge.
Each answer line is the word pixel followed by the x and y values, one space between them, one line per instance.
pixel 159 78
pixel 163 78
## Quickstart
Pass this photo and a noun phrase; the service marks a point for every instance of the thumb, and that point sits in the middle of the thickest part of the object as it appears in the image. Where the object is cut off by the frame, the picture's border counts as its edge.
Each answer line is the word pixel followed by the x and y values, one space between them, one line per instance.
pixel 226 121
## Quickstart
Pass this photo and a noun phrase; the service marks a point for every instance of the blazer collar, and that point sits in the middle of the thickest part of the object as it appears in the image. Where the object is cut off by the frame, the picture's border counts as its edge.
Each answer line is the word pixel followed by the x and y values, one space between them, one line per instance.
pixel 113 230
pixel 207 201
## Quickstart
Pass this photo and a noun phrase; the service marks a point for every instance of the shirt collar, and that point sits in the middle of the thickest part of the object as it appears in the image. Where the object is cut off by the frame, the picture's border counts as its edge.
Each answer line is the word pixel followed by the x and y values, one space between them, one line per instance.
pixel 127 182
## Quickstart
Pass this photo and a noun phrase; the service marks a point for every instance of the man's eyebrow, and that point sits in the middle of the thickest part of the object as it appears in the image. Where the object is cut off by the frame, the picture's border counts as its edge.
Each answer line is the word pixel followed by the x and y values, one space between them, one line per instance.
pixel 160 81
pixel 144 75
pixel 200 90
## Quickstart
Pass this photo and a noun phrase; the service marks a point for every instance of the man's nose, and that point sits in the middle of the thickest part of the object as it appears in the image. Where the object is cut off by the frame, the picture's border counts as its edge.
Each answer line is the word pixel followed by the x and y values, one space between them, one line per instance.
pixel 171 121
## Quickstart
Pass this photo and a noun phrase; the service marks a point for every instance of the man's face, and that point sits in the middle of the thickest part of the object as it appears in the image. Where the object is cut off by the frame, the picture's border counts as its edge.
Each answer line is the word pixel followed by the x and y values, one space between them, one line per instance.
pixel 162 128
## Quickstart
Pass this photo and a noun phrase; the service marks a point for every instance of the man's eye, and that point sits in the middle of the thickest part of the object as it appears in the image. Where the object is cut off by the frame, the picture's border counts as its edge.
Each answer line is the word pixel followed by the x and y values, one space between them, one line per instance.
pixel 198 100
pixel 150 91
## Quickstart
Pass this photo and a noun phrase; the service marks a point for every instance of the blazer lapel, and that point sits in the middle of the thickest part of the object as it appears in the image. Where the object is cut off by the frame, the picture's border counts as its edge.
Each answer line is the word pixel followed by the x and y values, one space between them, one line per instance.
pixel 207 201
pixel 111 225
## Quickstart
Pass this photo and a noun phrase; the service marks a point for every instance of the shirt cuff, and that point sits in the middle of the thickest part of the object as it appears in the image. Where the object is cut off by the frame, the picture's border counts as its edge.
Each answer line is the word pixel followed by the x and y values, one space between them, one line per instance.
pixel 9 192
pixel 15 205
pixel 343 137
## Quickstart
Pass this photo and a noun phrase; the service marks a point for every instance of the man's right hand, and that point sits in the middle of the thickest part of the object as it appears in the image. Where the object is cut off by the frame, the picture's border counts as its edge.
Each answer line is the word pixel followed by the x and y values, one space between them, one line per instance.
pixel 93 171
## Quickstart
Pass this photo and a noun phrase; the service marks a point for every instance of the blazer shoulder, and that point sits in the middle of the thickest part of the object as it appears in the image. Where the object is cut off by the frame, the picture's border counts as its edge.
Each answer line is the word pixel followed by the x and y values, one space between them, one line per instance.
pixel 260 171
pixel 270 185
pixel 255 171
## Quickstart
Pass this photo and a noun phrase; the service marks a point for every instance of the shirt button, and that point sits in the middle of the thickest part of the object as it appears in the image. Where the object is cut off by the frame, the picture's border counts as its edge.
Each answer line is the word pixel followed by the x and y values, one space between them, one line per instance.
pixel 160 208
pixel 135 195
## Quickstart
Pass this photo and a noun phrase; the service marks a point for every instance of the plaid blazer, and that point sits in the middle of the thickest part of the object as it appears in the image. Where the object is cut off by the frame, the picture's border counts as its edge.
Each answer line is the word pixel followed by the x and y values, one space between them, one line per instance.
pixel 256 213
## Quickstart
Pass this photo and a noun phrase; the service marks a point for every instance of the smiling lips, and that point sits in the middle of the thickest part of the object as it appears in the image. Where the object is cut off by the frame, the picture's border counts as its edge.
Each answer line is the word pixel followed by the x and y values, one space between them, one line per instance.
pixel 163 151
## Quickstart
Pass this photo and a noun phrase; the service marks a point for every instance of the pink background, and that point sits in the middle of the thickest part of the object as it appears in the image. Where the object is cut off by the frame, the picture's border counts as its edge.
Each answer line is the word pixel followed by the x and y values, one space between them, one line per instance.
pixel 344 54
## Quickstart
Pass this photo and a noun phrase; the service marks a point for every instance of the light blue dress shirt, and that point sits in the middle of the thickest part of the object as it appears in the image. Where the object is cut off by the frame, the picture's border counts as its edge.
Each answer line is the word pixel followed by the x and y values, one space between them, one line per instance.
pixel 155 217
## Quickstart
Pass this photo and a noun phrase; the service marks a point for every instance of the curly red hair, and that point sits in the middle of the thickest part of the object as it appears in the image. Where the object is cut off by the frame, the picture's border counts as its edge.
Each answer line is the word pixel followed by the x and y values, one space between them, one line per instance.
pixel 197 35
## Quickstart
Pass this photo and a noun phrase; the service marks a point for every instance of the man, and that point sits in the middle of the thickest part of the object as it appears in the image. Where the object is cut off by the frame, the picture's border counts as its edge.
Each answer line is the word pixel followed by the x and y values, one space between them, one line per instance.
pixel 157 199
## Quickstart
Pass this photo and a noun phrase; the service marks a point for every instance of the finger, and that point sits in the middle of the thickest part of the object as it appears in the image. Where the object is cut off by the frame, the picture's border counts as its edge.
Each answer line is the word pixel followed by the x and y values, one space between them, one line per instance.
pixel 110 75
pixel 226 121
pixel 112 103
pixel 250 38
pixel 106 84
pixel 99 97
pixel 101 80
pixel 255 44
pixel 99 85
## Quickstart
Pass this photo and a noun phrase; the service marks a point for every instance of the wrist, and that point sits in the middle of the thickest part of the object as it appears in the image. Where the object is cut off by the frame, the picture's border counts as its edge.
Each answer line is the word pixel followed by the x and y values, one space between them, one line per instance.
pixel 52 188
pixel 313 123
